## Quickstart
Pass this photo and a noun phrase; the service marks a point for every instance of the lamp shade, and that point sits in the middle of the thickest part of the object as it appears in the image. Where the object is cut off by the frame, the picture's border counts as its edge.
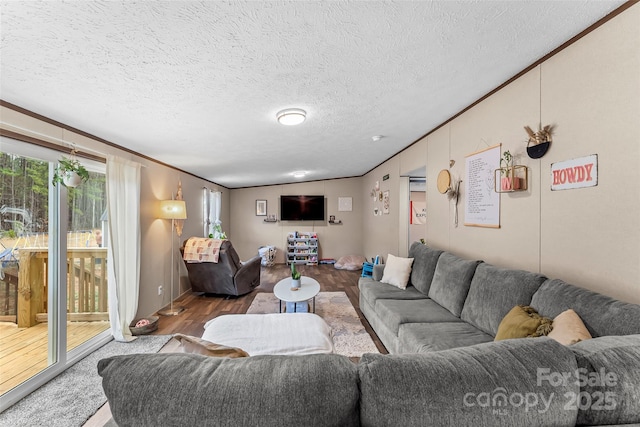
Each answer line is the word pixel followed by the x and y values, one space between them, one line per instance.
pixel 173 209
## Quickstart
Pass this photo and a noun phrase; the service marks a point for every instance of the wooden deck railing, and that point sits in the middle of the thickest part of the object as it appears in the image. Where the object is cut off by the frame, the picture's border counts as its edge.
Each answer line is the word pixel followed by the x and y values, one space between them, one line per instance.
pixel 86 285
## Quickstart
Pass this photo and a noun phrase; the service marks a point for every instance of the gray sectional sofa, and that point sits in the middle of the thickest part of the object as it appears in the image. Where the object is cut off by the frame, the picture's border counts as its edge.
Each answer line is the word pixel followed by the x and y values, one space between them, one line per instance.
pixel 453 302
pixel 450 371
pixel 518 382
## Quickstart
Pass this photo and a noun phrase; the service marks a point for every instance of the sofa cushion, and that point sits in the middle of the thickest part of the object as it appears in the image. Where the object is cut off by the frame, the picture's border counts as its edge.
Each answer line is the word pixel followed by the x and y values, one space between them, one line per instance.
pixel 372 291
pixel 451 281
pixel 425 260
pixel 601 314
pixel 177 389
pixel 388 338
pixel 568 328
pixel 428 337
pixel 397 271
pixel 522 322
pixel 494 291
pixel 609 374
pixel 397 312
pixel 491 384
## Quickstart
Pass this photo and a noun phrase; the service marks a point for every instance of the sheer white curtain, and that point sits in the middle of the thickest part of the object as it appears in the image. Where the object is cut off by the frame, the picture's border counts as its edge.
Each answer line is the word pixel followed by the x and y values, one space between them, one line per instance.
pixel 215 225
pixel 123 205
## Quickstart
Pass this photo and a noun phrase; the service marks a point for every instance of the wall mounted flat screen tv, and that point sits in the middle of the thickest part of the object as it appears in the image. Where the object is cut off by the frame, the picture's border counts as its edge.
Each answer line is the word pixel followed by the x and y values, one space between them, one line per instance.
pixel 302 208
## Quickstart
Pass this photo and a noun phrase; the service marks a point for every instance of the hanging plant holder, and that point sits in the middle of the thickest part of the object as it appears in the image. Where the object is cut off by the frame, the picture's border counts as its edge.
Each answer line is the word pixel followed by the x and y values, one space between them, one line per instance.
pixel 69 172
pixel 538 150
pixel 539 142
pixel 510 177
pixel 71 179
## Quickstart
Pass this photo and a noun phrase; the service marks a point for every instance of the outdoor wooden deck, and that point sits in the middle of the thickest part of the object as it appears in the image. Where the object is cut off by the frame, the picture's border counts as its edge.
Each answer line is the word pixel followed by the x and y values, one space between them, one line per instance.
pixel 23 351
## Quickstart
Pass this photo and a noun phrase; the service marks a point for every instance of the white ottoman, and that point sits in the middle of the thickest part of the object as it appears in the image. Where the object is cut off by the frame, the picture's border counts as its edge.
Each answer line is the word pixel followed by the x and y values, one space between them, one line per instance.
pixel 274 333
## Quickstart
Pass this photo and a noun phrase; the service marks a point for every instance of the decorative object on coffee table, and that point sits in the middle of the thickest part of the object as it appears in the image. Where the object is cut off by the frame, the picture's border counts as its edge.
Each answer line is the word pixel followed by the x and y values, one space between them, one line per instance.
pixel 308 290
pixel 295 278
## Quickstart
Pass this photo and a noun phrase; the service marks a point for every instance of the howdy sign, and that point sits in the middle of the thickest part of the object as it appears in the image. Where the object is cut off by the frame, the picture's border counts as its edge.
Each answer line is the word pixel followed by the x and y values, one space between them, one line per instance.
pixel 575 173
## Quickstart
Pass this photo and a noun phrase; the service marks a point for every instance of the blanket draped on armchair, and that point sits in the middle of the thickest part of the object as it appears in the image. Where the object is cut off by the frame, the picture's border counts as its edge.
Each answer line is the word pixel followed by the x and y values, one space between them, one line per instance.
pixel 202 249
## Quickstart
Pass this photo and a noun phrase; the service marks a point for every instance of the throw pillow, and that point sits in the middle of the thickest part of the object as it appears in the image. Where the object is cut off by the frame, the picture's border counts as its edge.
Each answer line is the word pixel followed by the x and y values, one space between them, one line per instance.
pixel 568 328
pixel 197 345
pixel 522 322
pixel 397 271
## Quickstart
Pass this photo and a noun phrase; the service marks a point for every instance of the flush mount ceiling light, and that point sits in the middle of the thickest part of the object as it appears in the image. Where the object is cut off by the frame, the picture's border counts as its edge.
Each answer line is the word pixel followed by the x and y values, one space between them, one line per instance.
pixel 299 174
pixel 291 116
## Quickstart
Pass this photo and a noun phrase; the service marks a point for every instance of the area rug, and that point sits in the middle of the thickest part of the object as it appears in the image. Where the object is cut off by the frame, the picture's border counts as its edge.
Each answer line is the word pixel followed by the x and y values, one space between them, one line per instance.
pixel 349 336
pixel 74 396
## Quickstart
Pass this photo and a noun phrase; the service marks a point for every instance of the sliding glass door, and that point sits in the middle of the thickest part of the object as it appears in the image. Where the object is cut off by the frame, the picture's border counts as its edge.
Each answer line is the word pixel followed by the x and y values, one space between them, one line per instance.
pixel 25 340
pixel 53 284
pixel 86 260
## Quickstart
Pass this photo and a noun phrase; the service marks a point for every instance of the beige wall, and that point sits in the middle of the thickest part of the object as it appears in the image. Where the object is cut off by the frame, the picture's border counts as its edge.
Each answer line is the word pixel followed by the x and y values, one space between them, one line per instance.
pixel 248 232
pixel 590 236
pixel 158 182
pixel 380 232
pixel 592 91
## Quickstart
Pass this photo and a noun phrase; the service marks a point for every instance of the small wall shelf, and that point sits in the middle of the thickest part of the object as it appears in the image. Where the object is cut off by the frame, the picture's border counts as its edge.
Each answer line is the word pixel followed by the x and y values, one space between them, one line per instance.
pixel 511 179
pixel 334 222
pixel 270 220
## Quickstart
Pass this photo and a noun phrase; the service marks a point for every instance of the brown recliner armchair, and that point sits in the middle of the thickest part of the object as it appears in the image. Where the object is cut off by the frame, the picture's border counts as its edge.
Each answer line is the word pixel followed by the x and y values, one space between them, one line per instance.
pixel 228 276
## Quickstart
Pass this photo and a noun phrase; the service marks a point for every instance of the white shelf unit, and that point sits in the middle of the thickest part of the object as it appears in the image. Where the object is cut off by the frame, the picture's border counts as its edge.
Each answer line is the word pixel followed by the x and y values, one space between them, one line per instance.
pixel 302 248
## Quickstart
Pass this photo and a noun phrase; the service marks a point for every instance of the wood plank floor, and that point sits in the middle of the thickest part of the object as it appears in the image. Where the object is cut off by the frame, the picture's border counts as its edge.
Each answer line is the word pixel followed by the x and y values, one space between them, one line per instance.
pixel 23 351
pixel 201 308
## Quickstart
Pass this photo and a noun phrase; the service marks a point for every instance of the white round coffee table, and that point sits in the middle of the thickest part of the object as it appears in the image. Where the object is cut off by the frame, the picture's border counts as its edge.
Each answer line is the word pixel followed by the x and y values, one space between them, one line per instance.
pixel 309 288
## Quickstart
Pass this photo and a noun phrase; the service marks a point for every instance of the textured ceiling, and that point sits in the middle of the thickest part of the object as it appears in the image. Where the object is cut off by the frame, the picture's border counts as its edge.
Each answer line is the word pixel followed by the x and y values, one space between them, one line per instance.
pixel 197 84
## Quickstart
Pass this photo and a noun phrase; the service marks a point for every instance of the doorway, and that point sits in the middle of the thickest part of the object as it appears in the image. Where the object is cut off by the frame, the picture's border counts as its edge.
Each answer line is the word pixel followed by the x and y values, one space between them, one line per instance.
pixel 413 222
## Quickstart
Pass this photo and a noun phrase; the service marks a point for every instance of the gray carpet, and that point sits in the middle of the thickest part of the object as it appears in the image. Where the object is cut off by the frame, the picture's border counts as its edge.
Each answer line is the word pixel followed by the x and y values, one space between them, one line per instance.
pixel 74 396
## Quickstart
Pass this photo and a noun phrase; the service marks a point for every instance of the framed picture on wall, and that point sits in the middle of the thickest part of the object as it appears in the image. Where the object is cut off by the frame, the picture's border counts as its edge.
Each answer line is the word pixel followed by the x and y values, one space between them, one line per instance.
pixel 345 204
pixel 385 202
pixel 261 208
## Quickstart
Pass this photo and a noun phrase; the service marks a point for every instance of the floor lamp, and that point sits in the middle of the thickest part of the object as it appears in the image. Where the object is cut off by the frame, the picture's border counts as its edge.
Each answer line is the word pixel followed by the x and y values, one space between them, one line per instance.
pixel 172 209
